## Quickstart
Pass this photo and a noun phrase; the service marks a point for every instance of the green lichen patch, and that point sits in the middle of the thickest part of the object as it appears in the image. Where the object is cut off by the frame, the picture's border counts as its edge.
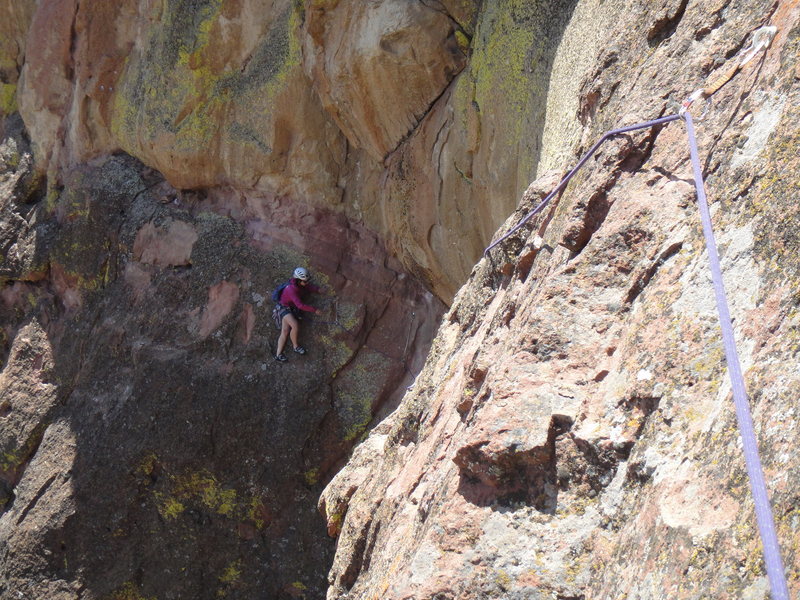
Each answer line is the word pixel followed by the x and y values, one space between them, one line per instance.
pixel 512 53
pixel 170 508
pixel 175 494
pixel 258 513
pixel 463 41
pixel 311 477
pixel 356 391
pixel 202 488
pixel 129 591
pixel 8 98
pixel 179 88
pixel 232 573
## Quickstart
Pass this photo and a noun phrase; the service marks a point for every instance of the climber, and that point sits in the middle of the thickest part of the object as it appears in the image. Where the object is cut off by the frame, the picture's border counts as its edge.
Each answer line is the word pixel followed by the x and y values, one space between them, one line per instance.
pixel 290 304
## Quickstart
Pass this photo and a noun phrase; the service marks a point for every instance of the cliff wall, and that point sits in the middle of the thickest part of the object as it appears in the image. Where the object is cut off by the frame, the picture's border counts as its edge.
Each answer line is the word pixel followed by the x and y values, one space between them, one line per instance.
pixel 421 120
pixel 164 164
pixel 572 434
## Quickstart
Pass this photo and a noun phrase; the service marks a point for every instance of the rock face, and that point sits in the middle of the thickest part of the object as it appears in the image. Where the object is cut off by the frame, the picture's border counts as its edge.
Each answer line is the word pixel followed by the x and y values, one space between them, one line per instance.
pixel 164 164
pixel 371 60
pixel 151 446
pixel 572 434
pixel 423 120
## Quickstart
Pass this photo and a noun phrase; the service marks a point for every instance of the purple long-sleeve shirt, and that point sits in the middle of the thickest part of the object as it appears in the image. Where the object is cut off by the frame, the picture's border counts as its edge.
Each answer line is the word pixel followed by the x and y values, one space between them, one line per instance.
pixel 291 295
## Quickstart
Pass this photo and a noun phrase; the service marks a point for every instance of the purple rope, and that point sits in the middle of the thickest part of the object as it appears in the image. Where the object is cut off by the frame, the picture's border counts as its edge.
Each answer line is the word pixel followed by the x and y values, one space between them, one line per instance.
pixel 576 168
pixel 758 488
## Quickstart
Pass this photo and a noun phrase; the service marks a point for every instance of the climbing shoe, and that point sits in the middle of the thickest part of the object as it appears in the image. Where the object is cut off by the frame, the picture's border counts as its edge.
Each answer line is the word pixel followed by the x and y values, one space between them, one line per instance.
pixel 281 357
pixel 300 350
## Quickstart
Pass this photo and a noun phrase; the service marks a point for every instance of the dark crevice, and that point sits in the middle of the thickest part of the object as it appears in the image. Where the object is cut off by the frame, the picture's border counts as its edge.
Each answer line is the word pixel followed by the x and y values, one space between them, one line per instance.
pixel 22 458
pixel 666 26
pixel 437 6
pixel 597 209
pixel 41 492
pixel 733 51
pixel 663 172
pixel 421 118
pixel 73 41
pixel 641 282
pixel 639 156
pixel 370 547
pixel 354 565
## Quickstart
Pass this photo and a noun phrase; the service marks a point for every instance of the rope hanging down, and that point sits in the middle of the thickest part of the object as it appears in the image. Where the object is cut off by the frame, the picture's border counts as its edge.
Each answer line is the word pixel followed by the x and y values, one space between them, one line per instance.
pixel 758 488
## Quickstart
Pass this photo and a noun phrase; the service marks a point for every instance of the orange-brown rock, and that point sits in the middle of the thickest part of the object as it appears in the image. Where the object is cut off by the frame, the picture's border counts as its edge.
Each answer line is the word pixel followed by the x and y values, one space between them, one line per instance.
pixel 207 95
pixel 573 434
pixel 423 120
pixel 379 67
pixel 570 436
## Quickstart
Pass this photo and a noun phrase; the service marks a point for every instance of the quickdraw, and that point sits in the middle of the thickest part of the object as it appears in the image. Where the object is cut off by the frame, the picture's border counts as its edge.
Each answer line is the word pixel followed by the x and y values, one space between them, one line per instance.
pixel 766 524
pixel 762 38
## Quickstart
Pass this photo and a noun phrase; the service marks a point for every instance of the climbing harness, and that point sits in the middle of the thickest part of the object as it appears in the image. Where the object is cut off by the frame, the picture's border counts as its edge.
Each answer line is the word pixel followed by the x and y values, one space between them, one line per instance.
pixel 758 488
pixel 278 312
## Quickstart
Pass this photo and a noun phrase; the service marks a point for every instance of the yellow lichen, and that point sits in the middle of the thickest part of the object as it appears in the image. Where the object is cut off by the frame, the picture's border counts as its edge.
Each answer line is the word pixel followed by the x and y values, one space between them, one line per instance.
pixel 8 98
pixel 9 461
pixel 170 508
pixel 311 476
pixel 498 67
pixel 129 591
pixel 182 94
pixel 232 573
pixel 503 579
pixel 204 488
pixel 463 41
pixel 336 520
pixel 256 513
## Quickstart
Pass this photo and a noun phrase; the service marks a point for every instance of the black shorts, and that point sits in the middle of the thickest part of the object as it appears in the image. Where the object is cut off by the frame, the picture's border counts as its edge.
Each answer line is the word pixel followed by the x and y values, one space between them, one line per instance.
pixel 285 310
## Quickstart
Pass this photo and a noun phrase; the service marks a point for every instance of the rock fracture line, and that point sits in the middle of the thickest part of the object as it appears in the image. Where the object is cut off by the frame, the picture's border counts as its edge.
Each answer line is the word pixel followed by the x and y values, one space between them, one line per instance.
pixel 758 488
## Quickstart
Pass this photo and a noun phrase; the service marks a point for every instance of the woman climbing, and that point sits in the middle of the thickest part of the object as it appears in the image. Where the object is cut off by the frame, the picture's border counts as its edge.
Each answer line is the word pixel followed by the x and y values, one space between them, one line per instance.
pixel 290 303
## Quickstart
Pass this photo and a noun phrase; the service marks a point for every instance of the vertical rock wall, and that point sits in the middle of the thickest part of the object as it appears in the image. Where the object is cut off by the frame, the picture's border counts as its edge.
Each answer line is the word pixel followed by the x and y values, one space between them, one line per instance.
pixel 573 434
pixel 164 164
pixel 151 445
pixel 426 126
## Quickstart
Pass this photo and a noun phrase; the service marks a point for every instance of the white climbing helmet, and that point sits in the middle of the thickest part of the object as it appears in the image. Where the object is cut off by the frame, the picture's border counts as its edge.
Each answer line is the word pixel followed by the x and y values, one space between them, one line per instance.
pixel 301 274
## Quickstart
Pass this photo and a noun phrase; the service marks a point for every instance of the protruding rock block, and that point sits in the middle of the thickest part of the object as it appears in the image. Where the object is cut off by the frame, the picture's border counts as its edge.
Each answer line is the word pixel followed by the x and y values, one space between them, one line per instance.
pixel 379 66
